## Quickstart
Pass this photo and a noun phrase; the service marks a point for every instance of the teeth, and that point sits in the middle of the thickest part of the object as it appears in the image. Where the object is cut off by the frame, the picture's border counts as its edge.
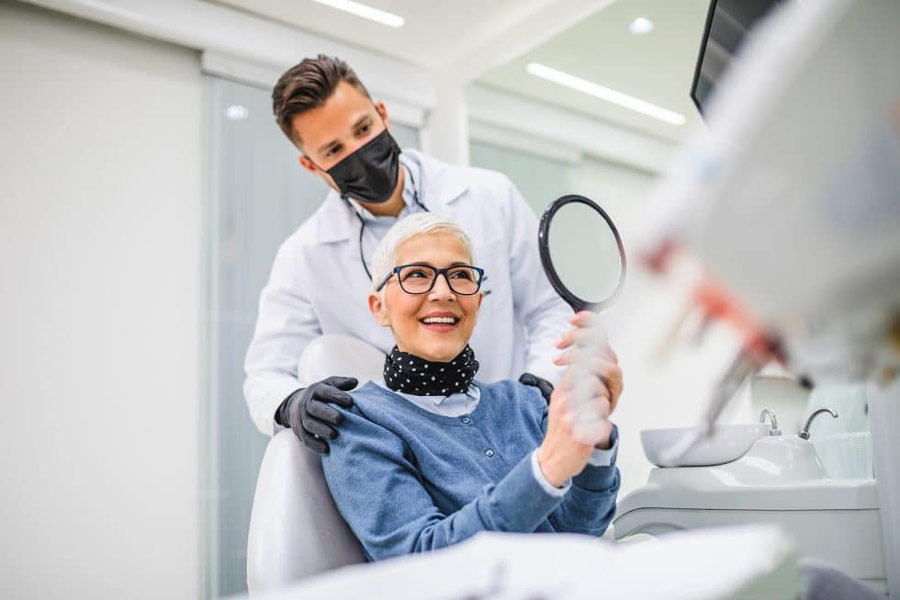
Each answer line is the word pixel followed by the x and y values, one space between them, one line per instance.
pixel 442 320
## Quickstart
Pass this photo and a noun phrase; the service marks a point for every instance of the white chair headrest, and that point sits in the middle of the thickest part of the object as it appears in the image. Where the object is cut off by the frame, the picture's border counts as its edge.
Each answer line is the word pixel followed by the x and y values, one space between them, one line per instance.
pixel 341 355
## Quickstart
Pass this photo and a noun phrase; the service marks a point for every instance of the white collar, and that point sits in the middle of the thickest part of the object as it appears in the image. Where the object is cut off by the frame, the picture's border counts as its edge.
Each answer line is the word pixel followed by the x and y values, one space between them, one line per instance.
pixel 473 392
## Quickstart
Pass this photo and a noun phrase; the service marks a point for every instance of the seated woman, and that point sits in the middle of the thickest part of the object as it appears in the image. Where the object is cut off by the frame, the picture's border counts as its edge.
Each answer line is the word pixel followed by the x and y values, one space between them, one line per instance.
pixel 430 456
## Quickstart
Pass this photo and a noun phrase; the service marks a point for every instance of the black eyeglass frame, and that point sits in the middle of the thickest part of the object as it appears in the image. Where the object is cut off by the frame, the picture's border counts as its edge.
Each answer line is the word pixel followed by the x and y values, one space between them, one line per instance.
pixel 437 273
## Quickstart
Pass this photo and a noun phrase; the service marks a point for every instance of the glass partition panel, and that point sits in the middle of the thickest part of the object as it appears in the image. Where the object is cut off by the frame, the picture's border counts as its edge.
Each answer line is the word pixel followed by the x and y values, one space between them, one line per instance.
pixel 540 180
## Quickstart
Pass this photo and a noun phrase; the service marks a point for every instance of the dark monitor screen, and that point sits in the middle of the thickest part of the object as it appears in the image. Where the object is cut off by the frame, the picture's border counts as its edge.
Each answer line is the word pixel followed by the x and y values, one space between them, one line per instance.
pixel 727 25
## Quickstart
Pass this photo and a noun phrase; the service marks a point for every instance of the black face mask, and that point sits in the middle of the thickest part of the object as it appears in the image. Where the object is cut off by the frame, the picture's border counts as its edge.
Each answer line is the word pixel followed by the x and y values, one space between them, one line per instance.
pixel 369 174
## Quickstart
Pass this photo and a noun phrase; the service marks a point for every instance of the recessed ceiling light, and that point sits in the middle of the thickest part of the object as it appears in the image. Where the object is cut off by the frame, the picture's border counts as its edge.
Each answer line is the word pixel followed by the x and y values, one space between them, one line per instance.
pixel 640 26
pixel 604 93
pixel 365 11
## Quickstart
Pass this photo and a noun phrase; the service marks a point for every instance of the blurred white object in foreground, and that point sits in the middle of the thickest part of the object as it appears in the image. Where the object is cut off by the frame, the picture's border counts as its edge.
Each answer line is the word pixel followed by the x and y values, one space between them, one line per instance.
pixel 791 204
pixel 792 199
pixel 695 566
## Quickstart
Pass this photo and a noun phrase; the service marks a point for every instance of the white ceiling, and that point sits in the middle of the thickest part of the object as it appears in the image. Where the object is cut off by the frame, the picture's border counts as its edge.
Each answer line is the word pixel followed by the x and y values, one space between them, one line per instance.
pixel 435 32
pixel 656 67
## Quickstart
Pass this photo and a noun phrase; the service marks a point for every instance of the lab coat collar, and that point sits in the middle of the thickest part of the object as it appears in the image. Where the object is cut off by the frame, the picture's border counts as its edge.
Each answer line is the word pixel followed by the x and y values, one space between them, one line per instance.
pixel 336 219
pixel 441 185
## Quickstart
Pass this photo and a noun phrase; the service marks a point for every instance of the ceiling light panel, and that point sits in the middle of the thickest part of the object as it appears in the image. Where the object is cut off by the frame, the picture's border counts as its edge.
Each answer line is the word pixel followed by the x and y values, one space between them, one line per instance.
pixel 365 11
pixel 604 93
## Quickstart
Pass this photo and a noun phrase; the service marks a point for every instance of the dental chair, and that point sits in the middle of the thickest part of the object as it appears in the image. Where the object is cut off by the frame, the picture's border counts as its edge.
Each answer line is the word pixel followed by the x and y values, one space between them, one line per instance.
pixel 295 528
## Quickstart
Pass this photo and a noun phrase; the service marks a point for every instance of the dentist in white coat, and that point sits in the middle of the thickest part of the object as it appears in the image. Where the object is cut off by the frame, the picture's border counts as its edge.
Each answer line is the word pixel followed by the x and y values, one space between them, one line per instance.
pixel 320 277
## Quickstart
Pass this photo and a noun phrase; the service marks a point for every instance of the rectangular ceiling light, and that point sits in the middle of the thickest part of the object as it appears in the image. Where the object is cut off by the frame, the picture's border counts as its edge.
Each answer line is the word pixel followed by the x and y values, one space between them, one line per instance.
pixel 366 12
pixel 604 93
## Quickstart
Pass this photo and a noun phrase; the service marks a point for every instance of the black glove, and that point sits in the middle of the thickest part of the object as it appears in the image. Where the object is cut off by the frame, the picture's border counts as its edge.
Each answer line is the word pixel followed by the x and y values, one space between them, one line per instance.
pixel 545 387
pixel 307 413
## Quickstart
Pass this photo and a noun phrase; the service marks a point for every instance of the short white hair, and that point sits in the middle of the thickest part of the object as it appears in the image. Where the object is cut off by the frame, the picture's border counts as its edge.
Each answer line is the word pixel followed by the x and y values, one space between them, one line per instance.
pixel 385 257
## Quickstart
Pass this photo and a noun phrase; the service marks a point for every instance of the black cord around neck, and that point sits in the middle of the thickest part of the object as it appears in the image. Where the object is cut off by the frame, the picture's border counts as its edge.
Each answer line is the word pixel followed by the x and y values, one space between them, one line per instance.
pixel 362 222
pixel 362 227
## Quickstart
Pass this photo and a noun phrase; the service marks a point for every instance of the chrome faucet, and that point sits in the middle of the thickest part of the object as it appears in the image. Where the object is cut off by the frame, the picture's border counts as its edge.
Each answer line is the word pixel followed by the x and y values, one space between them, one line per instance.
pixel 804 433
pixel 773 430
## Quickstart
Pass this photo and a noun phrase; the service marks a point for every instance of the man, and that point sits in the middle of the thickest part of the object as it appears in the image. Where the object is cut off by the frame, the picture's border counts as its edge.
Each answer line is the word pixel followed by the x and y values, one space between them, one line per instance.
pixel 321 272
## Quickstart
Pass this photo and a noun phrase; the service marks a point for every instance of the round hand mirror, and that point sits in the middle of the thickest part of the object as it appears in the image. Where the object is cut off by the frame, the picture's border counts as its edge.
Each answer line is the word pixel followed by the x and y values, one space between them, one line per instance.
pixel 582 253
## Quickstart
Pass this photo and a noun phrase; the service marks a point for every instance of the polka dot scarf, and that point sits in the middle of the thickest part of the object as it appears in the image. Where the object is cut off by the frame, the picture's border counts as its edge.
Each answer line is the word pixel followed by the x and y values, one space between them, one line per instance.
pixel 410 374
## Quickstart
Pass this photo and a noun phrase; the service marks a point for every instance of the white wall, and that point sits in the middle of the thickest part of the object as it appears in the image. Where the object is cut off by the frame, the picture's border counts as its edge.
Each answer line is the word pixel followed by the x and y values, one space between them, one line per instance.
pixel 100 300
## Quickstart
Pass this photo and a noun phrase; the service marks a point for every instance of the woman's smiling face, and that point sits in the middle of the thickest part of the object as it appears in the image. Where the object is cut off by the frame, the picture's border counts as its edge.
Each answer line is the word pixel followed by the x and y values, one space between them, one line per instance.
pixel 435 325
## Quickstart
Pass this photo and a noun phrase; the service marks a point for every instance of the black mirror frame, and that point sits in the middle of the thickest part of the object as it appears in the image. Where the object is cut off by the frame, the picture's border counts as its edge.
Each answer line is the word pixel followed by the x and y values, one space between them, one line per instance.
pixel 577 304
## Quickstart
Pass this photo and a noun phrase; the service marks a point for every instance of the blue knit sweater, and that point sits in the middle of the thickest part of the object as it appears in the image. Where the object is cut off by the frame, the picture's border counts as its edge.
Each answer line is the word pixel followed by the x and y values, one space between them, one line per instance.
pixel 407 480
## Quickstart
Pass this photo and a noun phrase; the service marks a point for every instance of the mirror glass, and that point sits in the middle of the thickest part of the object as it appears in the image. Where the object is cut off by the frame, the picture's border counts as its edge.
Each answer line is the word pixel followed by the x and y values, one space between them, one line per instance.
pixel 585 252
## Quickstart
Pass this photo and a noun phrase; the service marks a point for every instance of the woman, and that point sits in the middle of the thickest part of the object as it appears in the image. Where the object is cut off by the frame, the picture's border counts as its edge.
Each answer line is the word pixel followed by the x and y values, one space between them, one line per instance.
pixel 429 456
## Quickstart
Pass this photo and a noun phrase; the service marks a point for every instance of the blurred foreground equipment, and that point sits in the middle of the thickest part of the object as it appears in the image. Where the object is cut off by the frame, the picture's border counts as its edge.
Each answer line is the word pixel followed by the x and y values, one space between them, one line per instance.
pixel 789 210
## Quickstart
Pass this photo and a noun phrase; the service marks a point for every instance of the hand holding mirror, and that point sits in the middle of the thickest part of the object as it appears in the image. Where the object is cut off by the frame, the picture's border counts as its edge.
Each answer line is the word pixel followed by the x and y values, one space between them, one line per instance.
pixel 583 257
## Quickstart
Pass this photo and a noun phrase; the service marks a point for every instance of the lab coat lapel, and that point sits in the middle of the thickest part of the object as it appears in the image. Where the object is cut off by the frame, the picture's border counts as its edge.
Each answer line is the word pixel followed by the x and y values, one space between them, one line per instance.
pixel 335 219
pixel 442 183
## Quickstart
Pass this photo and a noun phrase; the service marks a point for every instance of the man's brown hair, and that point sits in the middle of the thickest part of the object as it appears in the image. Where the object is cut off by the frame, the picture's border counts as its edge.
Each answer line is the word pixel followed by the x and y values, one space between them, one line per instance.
pixel 308 85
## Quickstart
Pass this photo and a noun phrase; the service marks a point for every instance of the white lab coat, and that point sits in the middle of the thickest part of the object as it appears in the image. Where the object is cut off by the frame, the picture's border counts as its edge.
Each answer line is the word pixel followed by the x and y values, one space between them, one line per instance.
pixel 318 286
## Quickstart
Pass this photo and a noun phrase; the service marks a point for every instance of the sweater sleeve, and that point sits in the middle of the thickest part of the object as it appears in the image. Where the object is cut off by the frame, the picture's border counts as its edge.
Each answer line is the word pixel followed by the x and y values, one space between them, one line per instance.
pixel 378 490
pixel 590 505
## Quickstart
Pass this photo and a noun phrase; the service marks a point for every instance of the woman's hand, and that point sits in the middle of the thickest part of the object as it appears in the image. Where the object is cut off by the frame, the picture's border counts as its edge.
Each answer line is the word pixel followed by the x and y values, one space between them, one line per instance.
pixel 606 364
pixel 561 455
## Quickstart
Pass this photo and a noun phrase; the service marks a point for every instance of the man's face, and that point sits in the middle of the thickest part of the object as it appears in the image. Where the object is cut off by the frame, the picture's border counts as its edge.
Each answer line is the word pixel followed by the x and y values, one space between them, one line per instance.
pixel 335 130
pixel 409 315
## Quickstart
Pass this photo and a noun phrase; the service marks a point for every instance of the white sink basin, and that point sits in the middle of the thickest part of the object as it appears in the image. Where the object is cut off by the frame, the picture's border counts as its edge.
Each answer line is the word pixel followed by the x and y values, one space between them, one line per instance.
pixel 728 443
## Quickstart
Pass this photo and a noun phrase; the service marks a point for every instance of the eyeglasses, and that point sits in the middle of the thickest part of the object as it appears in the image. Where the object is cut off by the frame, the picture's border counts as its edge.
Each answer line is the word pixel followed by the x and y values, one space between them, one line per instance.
pixel 464 280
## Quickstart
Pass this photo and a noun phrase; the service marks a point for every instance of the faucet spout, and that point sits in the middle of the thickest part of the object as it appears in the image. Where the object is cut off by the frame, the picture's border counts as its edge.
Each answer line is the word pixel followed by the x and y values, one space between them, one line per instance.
pixel 804 433
pixel 769 414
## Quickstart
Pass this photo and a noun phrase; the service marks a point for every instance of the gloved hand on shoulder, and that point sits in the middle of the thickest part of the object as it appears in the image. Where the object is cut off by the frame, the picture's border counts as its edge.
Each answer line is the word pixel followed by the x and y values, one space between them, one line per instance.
pixel 545 387
pixel 308 414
